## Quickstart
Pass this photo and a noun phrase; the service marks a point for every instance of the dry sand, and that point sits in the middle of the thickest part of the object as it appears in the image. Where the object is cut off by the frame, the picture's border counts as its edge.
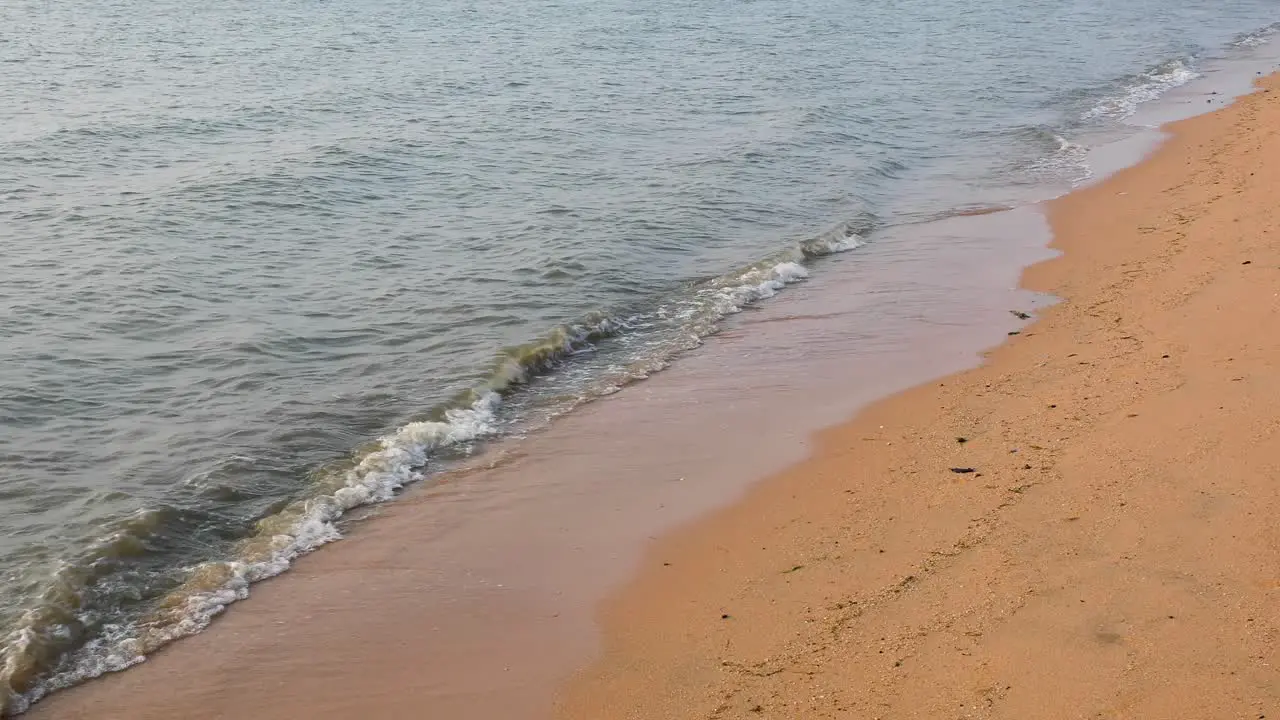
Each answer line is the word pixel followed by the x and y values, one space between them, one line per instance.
pixel 1115 552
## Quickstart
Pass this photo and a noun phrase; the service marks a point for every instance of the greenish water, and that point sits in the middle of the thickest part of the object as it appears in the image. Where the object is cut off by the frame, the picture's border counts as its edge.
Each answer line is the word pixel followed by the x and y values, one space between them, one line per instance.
pixel 263 264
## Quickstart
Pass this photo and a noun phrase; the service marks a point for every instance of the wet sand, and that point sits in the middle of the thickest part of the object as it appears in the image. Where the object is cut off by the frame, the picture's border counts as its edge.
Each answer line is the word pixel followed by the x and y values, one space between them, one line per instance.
pixel 476 597
pixel 1083 527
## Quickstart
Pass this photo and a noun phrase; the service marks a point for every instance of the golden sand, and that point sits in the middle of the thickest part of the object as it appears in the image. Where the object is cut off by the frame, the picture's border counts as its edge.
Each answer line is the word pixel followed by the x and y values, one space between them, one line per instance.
pixel 1115 551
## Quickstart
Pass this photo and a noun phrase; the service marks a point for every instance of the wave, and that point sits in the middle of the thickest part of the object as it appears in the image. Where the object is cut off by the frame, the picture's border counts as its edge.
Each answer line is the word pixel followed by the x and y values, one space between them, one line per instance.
pixel 56 643
pixel 1142 88
pixel 1066 161
pixel 1256 38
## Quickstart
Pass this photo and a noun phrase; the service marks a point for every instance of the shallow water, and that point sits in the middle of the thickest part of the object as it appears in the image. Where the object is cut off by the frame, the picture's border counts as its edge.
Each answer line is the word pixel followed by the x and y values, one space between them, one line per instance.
pixel 242 243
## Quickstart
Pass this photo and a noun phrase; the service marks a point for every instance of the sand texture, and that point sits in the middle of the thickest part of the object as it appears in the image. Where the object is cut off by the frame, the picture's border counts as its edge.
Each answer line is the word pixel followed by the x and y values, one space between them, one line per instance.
pixel 1115 550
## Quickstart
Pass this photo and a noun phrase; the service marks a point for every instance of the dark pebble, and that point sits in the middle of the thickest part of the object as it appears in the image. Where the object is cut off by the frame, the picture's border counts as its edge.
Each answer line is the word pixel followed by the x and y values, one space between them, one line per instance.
pixel 961 470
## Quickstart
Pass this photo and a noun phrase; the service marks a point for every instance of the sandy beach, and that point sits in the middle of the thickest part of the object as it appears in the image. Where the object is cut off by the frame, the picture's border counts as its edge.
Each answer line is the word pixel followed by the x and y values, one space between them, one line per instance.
pixel 1084 527
pixel 514 361
pixel 1081 527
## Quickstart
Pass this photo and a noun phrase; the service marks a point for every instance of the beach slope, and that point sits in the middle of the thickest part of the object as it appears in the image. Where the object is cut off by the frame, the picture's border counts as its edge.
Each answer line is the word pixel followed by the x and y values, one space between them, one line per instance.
pixel 1084 527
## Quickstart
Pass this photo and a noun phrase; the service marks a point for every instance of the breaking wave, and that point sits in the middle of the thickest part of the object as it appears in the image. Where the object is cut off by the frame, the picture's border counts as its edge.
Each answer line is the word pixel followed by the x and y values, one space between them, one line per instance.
pixel 1142 88
pixel 60 641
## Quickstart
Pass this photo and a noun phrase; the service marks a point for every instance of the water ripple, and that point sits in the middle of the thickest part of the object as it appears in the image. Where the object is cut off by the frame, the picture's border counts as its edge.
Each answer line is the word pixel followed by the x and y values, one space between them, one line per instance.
pixel 242 241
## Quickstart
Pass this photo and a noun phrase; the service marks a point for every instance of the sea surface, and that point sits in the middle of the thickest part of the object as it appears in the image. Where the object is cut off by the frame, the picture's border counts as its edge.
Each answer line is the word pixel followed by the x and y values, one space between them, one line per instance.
pixel 262 264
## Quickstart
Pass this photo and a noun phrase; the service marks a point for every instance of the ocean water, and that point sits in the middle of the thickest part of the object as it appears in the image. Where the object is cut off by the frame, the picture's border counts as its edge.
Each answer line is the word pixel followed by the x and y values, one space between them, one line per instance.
pixel 267 263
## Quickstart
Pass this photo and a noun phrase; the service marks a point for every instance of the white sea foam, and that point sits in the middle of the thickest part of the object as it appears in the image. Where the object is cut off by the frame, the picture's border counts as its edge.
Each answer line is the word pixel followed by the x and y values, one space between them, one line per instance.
pixel 1257 38
pixel 757 285
pixel 1148 87
pixel 397 460
pixel 837 241
pixel 1069 162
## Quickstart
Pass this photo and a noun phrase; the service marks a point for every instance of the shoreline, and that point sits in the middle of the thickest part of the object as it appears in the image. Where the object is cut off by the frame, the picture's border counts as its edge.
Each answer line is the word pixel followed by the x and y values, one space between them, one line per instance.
pixel 368 561
pixel 1109 555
